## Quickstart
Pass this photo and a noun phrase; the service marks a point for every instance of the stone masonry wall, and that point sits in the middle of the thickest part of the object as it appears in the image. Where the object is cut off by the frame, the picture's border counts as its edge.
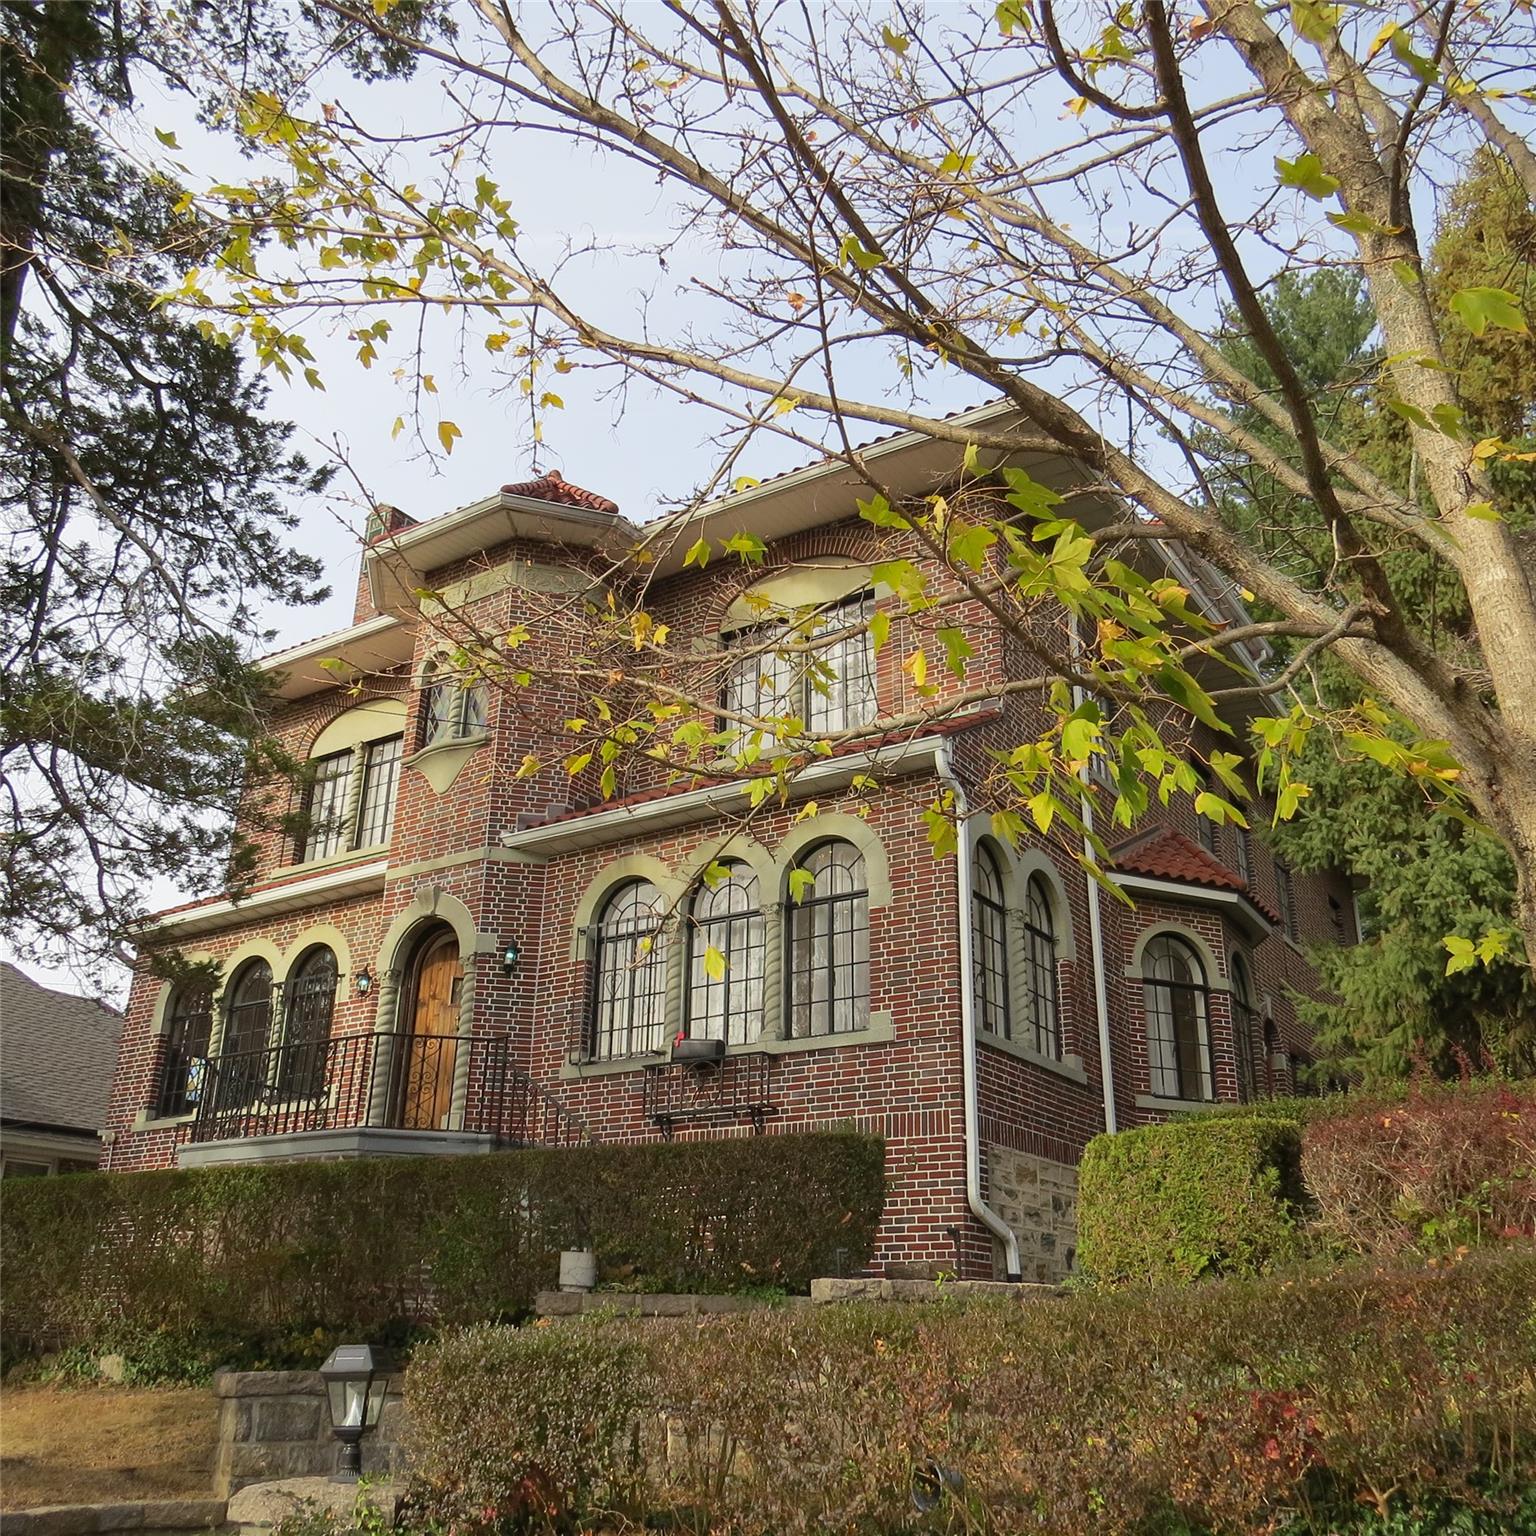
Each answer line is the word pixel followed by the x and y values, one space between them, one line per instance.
pixel 1038 1199
pixel 275 1424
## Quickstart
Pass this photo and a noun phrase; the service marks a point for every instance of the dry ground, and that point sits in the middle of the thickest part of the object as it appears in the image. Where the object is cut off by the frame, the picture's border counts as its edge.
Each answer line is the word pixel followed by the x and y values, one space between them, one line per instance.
pixel 99 1445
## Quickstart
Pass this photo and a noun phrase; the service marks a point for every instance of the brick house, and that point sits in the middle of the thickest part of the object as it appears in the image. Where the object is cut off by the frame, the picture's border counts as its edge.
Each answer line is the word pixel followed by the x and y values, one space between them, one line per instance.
pixel 460 950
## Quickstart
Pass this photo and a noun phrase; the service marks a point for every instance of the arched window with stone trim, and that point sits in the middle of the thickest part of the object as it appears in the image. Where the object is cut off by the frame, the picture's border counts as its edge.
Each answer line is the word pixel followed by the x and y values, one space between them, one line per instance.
pixel 725 959
pixel 188 1036
pixel 829 942
pixel 243 1049
pixel 1040 969
pixel 452 705
pixel 1245 1025
pixel 629 974
pixel 1177 999
pixel 989 938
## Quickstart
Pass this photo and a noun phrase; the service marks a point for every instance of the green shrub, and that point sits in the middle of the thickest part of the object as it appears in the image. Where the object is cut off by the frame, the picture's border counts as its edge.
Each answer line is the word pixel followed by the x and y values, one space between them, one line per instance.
pixel 179 1265
pixel 1224 1407
pixel 1189 1199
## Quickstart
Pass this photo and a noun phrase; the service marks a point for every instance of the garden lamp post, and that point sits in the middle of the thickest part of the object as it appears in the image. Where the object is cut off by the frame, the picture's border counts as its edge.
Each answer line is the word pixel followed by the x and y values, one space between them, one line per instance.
pixel 355 1384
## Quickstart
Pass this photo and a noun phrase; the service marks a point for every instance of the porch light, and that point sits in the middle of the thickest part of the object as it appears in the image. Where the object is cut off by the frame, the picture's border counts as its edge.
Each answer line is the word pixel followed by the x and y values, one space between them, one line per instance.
pixel 355 1384
pixel 364 982
pixel 509 958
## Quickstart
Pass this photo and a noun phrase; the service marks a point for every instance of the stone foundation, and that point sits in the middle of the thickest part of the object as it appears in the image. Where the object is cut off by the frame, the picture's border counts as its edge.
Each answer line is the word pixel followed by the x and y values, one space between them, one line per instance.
pixel 275 1424
pixel 1038 1199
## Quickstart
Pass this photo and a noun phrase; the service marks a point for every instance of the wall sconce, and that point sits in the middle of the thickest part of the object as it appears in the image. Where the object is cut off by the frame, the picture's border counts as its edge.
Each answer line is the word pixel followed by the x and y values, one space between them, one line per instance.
pixel 364 982
pixel 509 957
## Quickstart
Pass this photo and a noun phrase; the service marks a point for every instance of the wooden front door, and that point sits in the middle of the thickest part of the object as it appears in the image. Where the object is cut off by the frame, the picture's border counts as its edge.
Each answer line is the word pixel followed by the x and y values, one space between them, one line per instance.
pixel 426 1089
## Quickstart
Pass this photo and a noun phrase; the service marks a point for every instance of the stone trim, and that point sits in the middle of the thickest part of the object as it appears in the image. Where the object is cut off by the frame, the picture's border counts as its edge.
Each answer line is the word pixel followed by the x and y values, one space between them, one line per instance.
pixel 99 1519
pixel 353 1141
pixel 1069 1066
pixel 1164 1106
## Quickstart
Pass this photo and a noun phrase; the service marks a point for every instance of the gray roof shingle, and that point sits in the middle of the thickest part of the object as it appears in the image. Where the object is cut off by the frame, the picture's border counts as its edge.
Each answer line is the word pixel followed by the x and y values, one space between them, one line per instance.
pixel 57 1054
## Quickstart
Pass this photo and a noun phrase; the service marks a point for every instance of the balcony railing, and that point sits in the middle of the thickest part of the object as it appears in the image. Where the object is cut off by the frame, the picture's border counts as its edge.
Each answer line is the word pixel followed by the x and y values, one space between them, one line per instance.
pixel 413 1082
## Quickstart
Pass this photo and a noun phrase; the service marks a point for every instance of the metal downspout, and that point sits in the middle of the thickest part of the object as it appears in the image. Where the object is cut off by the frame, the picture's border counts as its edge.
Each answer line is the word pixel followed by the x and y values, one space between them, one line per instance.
pixel 979 1207
pixel 1095 924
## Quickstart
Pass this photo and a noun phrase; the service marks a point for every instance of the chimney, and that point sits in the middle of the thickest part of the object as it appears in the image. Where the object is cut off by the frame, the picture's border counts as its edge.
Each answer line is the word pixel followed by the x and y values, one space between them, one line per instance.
pixel 382 521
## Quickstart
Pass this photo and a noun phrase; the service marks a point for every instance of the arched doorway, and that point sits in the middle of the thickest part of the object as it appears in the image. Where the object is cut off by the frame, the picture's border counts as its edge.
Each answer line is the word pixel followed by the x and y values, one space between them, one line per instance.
pixel 430 1017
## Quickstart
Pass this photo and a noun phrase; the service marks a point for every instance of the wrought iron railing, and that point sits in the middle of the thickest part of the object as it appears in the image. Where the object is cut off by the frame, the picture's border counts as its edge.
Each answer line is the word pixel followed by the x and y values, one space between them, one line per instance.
pixel 733 1087
pixel 396 1081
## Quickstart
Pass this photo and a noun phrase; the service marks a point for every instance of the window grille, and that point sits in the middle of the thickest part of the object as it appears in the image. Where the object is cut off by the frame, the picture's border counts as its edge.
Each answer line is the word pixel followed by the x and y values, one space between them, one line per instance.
pixel 727 917
pixel 309 1002
pixel 829 945
pixel 629 967
pixel 1040 946
pixel 381 783
pixel 451 707
pixel 989 936
pixel 247 1024
pixel 325 806
pixel 1285 898
pixel 1178 1032
pixel 1242 847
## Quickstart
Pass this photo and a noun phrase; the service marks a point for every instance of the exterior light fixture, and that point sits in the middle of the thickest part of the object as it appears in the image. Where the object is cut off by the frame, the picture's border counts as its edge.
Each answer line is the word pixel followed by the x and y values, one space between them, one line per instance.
pixel 355 1384
pixel 364 982
pixel 509 957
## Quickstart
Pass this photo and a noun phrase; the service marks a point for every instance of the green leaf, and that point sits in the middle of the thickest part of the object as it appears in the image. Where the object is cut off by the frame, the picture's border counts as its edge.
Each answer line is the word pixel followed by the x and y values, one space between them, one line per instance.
pixel 1014 16
pixel 1306 173
pixel 698 554
pixel 1478 308
pixel 168 139
pixel 1402 51
pixel 447 434
pixel 1483 512
pixel 957 649
pixel 801 884
pixel 1314 20
pixel 1361 224
pixel 1406 273
pixel 879 629
pixel 747 545
pixel 954 164
pixel 714 964
pixel 1027 494
pixel 1462 952
pixel 969 543
pixel 894 40
pixel 879 512
pixel 852 251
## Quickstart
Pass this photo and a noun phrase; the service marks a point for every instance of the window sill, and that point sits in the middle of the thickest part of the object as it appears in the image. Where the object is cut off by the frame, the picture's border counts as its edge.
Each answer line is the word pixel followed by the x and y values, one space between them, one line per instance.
pixel 439 762
pixel 1069 1067
pixel 334 860
pixel 1164 1106
pixel 879 1031
pixel 148 1120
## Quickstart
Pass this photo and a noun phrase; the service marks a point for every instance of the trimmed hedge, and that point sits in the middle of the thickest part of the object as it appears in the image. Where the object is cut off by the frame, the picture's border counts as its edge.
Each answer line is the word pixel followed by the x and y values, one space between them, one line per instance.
pixel 1224 1407
pixel 255 1258
pixel 1188 1199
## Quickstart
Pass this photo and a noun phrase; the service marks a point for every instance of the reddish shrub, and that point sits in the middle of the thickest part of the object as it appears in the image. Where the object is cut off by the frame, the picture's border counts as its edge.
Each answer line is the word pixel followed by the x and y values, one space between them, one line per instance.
pixel 1446 1168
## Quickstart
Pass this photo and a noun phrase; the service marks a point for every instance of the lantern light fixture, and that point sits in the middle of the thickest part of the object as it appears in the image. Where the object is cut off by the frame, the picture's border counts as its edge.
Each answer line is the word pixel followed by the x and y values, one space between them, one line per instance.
pixel 510 955
pixel 356 1381
pixel 364 982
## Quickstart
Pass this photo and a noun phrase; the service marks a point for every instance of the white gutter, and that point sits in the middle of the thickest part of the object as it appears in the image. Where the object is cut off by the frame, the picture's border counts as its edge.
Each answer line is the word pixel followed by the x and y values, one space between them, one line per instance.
pixel 1095 922
pixel 225 912
pixel 983 1212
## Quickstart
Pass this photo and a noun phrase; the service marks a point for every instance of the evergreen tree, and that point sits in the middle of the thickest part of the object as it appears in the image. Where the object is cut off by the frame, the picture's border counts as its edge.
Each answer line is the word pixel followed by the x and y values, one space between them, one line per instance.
pixel 145 498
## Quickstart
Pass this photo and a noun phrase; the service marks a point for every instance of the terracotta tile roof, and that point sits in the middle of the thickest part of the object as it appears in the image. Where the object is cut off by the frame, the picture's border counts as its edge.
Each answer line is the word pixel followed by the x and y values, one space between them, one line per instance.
pixel 1164 854
pixel 552 486
pixel 950 727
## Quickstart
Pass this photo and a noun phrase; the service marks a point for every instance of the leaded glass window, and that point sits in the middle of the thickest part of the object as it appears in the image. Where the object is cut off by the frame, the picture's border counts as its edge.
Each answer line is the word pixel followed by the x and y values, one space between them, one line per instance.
pixel 309 1001
pixel 452 707
pixel 726 918
pixel 829 943
pixel 1244 1027
pixel 1040 951
pixel 1178 1031
pixel 242 1060
pixel 629 967
pixel 188 1035
pixel 989 936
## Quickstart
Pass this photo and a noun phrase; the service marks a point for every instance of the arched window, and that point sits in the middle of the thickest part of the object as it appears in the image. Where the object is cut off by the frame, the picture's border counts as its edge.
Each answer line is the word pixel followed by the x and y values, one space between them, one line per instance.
pixel 1244 1027
pixel 309 1001
pixel 726 924
pixel 189 1030
pixel 1178 1035
pixel 452 707
pixel 829 942
pixel 1040 975
pixel 348 797
pixel 989 938
pixel 629 968
pixel 242 1056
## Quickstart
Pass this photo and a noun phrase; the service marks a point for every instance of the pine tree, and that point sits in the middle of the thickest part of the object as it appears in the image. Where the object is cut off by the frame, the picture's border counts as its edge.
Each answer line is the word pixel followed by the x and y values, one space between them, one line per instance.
pixel 146 501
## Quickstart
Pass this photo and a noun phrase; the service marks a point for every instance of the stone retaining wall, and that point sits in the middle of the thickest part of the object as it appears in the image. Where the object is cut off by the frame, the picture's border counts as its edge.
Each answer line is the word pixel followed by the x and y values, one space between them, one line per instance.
pixel 151 1518
pixel 275 1424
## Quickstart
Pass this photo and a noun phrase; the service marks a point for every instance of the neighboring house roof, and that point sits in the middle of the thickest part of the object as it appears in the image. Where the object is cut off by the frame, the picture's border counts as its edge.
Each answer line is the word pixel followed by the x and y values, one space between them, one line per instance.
pixel 57 1055
pixel 553 486
pixel 1164 854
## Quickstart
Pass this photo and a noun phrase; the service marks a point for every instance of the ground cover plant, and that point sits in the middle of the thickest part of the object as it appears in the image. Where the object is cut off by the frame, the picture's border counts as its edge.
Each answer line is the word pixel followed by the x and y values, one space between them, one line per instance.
pixel 183 1271
pixel 1309 1402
